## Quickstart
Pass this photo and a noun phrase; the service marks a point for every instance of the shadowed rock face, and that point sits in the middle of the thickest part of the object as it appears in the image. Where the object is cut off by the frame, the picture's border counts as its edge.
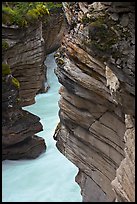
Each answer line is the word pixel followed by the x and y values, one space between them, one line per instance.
pixel 53 29
pixel 18 126
pixel 29 148
pixel 96 67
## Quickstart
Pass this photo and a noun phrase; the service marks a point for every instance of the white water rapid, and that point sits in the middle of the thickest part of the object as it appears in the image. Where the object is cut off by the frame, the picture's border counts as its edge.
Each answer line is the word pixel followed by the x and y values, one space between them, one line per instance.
pixel 50 177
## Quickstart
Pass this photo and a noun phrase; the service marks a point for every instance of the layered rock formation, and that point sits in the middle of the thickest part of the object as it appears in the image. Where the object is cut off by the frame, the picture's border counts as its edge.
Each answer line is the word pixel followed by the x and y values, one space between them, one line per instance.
pixel 124 183
pixel 25 57
pixel 96 67
pixel 53 29
pixel 24 52
pixel 18 126
pixel 27 52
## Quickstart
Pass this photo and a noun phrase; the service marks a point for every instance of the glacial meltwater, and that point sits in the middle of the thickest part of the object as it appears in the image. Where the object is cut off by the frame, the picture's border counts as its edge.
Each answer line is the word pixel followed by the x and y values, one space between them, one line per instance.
pixel 51 176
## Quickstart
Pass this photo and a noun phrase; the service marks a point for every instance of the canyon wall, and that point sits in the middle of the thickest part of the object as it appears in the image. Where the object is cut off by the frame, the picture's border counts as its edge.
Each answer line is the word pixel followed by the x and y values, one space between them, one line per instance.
pixel 23 76
pixel 27 52
pixel 53 29
pixel 18 126
pixel 25 56
pixel 96 67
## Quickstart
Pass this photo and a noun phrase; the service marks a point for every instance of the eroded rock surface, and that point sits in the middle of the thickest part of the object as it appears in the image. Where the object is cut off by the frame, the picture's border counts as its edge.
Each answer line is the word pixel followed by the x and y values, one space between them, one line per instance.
pixel 18 126
pixel 96 67
pixel 124 183
pixel 24 52
pixel 23 55
pixel 53 29
pixel 26 59
pixel 27 52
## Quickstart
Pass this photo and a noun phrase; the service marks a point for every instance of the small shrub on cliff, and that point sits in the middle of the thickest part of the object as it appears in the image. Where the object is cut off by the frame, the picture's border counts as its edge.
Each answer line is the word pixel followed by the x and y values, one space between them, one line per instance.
pixel 54 6
pixel 22 13
pixel 37 12
pixel 7 15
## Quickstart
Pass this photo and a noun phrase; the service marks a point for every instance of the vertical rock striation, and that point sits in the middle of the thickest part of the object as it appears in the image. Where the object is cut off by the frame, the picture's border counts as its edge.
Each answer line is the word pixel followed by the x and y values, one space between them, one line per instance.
pixel 96 68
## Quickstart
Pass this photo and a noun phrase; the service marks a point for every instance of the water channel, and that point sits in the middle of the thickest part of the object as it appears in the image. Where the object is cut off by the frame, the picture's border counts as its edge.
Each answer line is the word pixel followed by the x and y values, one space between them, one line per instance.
pixel 51 176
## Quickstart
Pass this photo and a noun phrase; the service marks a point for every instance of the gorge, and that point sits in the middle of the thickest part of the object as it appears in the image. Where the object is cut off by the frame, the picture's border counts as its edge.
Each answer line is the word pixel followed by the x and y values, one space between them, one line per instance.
pixel 96 67
pixel 50 177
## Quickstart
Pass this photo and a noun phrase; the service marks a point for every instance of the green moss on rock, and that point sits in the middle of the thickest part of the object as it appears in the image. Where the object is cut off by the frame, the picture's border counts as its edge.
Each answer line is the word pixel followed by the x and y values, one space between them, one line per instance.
pixel 5 45
pixel 15 82
pixel 18 100
pixel 60 61
pixel 25 13
pixel 5 69
pixel 101 35
pixel 104 37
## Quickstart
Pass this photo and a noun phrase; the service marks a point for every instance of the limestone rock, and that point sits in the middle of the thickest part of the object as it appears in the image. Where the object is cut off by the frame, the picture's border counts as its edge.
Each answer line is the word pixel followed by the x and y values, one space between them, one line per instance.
pixel 98 90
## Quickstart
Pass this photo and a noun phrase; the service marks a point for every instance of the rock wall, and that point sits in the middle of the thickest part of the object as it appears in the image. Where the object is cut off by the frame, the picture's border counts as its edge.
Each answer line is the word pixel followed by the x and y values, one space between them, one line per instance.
pixel 27 51
pixel 18 126
pixel 96 67
pixel 26 59
pixel 24 52
pixel 53 29
pixel 124 183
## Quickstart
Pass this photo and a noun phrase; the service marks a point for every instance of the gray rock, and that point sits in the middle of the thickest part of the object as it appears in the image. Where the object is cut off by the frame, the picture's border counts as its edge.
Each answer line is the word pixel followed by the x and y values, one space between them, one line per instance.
pixel 114 16
pixel 124 20
pixel 118 61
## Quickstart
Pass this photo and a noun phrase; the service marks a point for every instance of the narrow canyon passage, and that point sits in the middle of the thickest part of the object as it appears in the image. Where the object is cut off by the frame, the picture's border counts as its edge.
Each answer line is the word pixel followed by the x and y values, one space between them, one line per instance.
pixel 50 177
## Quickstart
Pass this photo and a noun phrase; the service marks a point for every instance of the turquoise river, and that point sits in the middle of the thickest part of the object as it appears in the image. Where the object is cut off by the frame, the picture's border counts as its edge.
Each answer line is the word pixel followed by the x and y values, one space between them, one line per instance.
pixel 51 176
